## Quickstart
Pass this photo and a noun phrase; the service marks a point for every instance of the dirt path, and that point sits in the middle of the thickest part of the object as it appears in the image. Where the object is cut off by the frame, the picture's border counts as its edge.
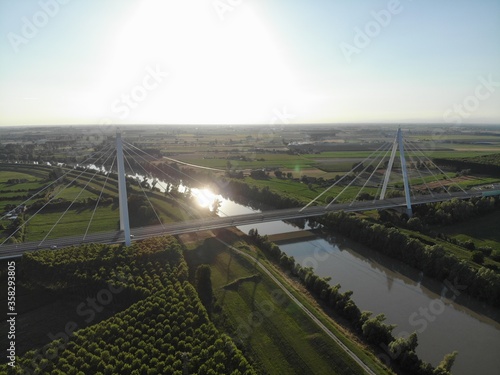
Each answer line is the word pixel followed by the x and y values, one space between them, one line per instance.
pixel 325 329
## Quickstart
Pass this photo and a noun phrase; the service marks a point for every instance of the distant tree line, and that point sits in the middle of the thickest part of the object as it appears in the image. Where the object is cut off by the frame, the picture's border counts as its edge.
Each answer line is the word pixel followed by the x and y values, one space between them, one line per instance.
pixel 455 210
pixel 433 260
pixel 451 212
pixel 484 164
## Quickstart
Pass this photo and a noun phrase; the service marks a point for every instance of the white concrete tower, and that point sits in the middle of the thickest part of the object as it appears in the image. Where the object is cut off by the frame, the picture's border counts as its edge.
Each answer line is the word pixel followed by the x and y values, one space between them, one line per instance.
pixel 398 144
pixel 122 190
pixel 405 173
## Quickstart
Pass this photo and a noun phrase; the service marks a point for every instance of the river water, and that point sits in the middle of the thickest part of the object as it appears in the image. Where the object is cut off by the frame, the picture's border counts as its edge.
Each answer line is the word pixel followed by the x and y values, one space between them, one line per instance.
pixel 444 318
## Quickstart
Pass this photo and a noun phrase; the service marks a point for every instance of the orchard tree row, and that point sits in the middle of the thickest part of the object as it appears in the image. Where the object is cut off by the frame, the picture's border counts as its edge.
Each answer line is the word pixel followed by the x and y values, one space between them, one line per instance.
pixel 167 331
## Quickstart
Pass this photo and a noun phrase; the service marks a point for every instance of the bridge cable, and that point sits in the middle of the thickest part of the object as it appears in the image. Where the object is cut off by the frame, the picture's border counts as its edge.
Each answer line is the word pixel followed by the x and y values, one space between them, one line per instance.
pixel 354 179
pixel 442 172
pixel 178 161
pixel 381 149
pixel 156 159
pixel 371 175
pixel 143 191
pixel 340 179
pixel 186 207
pixel 166 174
pixel 52 183
pixel 434 164
pixel 432 174
pixel 192 178
pixel 99 199
pixel 48 202
pixel 417 169
pixel 74 200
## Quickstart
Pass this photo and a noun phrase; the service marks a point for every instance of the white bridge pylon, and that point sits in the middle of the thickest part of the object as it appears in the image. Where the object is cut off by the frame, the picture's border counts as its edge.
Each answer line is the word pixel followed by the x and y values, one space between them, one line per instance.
pixel 398 144
pixel 122 190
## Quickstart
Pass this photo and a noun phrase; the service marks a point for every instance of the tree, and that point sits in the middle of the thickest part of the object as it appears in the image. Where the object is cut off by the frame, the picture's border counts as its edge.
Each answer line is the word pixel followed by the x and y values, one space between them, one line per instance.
pixel 216 206
pixel 415 223
pixel 445 366
pixel 204 285
pixel 258 174
pixel 357 167
pixel 402 345
pixel 478 257
pixel 376 331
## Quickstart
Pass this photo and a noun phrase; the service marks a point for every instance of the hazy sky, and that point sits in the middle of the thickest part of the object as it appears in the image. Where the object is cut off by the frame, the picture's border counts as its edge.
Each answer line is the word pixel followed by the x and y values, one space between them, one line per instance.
pixel 249 61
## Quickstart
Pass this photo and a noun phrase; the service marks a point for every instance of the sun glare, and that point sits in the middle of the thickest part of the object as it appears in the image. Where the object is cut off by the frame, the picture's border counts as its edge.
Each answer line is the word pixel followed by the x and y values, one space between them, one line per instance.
pixel 219 72
pixel 204 197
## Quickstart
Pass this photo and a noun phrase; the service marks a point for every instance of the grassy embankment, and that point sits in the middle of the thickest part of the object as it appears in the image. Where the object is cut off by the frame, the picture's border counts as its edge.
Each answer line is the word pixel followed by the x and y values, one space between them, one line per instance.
pixel 278 335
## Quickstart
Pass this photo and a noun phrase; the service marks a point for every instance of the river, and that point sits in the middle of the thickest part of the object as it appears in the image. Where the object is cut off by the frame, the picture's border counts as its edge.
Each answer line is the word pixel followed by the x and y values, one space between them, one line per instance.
pixel 444 318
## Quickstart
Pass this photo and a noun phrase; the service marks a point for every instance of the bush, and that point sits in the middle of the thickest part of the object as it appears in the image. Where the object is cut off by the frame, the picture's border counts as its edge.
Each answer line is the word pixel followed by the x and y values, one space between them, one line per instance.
pixel 495 255
pixel 478 257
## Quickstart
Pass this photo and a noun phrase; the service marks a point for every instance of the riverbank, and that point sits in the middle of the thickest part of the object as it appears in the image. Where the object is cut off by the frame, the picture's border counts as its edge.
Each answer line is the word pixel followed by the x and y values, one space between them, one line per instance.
pixel 412 301
pixel 290 237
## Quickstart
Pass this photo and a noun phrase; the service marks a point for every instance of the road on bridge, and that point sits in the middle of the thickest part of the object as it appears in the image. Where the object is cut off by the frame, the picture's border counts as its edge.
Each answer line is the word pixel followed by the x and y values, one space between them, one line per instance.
pixel 16 250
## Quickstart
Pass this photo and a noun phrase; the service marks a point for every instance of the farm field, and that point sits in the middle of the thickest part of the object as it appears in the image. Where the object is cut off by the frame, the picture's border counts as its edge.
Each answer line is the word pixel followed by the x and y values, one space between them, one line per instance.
pixel 75 222
pixel 226 148
pixel 19 187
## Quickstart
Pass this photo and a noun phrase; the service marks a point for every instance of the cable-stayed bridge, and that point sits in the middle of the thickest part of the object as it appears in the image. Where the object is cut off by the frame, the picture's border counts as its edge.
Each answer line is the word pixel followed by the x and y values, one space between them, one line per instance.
pixel 16 250
pixel 376 170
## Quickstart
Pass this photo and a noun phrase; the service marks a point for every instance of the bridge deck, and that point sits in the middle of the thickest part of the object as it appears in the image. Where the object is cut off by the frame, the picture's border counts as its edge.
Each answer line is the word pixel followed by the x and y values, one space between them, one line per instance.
pixel 16 250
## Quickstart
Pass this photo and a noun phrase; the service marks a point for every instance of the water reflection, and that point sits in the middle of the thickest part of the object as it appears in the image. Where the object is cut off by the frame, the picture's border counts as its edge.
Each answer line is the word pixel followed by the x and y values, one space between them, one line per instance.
pixel 444 322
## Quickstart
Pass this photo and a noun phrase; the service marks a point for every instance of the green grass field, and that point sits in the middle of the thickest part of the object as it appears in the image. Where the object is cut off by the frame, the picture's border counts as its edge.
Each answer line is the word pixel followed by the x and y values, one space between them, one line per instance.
pixel 74 223
pixel 483 231
pixel 280 337
pixel 73 192
pixel 302 192
pixel 9 175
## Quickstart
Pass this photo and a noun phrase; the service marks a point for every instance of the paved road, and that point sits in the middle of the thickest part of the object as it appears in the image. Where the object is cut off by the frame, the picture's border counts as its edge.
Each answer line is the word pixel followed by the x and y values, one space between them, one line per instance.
pixel 16 250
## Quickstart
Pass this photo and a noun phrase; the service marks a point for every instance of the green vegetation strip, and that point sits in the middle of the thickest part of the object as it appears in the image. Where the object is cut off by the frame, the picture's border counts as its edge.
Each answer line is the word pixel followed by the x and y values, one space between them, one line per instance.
pixel 275 320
